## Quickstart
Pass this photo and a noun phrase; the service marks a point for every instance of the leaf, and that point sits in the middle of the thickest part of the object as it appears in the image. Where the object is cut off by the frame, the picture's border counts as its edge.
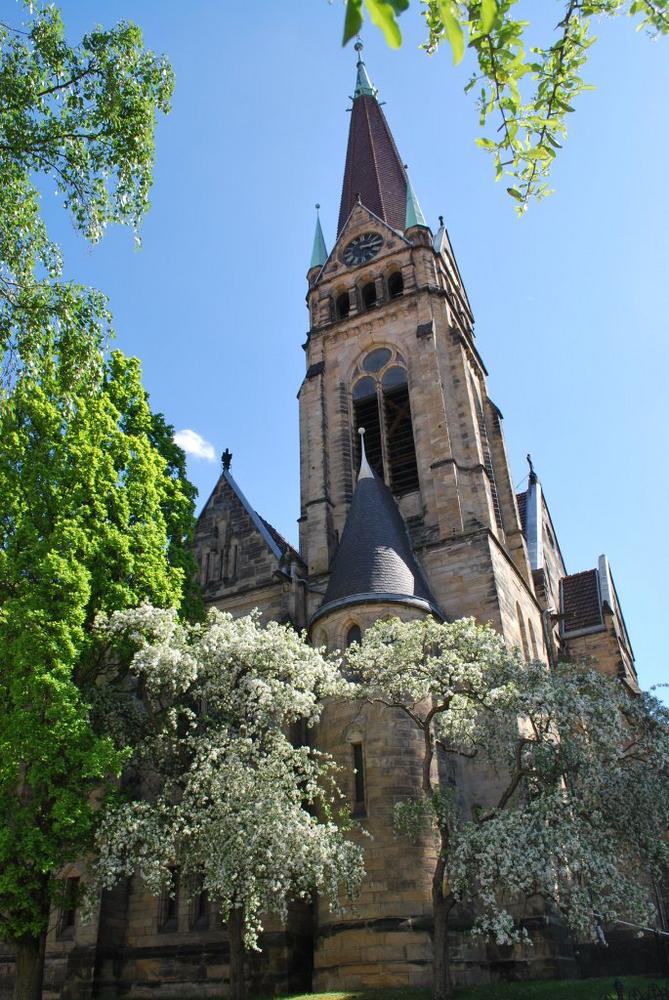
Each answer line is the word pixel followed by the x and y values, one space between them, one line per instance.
pixel 382 14
pixel 486 143
pixel 488 15
pixel 353 20
pixel 515 193
pixel 399 6
pixel 453 29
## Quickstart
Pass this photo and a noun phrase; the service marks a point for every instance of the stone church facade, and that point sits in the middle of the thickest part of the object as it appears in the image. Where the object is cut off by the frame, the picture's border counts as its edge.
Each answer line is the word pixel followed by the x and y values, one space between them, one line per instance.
pixel 427 522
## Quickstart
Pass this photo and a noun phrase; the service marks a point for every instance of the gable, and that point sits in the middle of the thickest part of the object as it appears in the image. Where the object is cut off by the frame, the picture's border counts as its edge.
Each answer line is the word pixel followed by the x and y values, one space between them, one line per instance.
pixel 234 547
pixel 361 220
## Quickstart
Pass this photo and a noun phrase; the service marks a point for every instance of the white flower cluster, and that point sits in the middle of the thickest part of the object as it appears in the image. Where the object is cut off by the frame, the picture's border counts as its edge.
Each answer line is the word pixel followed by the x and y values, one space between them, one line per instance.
pixel 583 807
pixel 231 801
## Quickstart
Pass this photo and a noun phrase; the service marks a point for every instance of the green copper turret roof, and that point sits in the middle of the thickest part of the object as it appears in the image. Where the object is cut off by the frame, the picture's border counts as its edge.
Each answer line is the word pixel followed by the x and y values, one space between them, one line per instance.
pixel 363 85
pixel 414 215
pixel 319 252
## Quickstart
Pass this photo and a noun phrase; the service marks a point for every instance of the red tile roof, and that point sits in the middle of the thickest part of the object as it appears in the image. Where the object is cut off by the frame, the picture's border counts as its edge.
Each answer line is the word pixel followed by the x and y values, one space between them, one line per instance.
pixel 374 169
pixel 521 500
pixel 581 602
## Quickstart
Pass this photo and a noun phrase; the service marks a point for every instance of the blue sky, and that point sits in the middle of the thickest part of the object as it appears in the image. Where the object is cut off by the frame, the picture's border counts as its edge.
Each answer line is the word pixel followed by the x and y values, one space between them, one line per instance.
pixel 570 302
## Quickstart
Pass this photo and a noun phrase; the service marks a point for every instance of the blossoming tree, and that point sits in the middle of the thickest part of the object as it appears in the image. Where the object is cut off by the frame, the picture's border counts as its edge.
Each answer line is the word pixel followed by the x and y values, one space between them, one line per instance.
pixel 579 770
pixel 227 798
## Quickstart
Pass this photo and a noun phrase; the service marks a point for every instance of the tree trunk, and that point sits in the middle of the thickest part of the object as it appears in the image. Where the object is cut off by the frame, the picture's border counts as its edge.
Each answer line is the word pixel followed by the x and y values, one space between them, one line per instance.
pixel 441 908
pixel 440 963
pixel 29 968
pixel 236 941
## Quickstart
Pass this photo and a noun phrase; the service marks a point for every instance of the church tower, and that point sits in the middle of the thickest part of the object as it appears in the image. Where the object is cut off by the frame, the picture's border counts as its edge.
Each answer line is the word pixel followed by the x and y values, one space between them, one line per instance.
pixel 391 348
pixel 421 519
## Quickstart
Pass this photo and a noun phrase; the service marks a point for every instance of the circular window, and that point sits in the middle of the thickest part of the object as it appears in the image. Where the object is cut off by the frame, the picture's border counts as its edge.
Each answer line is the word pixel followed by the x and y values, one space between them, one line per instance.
pixel 375 360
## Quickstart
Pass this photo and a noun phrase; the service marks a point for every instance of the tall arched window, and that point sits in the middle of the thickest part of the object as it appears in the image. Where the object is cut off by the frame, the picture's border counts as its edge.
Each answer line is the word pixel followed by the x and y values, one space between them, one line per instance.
pixel 523 633
pixel 381 405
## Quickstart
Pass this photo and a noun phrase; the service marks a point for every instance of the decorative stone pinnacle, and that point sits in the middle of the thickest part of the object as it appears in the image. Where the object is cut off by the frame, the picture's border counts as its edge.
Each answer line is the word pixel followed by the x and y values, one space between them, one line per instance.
pixel 365 468
pixel 226 458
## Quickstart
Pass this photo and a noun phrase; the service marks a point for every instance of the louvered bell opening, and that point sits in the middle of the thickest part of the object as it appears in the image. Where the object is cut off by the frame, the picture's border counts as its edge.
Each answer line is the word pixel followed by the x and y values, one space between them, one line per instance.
pixel 366 413
pixel 399 433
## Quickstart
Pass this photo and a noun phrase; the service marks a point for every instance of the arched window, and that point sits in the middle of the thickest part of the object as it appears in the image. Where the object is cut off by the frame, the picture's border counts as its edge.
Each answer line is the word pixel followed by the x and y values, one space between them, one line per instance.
pixel 523 633
pixel 368 295
pixel 533 640
pixel 359 808
pixel 366 414
pixel 395 285
pixel 381 405
pixel 343 305
pixel 353 635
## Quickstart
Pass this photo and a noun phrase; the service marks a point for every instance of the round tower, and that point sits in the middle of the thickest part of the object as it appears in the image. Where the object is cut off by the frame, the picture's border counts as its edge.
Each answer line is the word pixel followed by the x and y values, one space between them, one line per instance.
pixel 383 939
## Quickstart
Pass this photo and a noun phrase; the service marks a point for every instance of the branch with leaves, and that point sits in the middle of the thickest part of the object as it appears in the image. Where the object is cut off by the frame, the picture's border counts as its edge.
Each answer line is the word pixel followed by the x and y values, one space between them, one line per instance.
pixel 524 92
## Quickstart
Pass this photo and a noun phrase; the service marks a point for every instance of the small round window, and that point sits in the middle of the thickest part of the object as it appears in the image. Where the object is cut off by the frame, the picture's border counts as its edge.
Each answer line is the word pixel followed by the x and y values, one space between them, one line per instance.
pixel 375 360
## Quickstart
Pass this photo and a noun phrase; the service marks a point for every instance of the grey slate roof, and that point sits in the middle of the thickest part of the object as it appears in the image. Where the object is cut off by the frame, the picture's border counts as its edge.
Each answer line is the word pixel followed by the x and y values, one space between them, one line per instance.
pixel 374 560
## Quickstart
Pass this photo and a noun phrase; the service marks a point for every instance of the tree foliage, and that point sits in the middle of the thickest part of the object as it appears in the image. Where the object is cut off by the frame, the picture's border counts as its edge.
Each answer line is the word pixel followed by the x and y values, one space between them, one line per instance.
pixel 244 813
pixel 579 798
pixel 96 513
pixel 524 92
pixel 95 516
pixel 80 118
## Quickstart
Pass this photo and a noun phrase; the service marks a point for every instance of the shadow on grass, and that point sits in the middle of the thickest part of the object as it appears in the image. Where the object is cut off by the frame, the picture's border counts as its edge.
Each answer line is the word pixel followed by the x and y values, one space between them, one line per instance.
pixel 545 989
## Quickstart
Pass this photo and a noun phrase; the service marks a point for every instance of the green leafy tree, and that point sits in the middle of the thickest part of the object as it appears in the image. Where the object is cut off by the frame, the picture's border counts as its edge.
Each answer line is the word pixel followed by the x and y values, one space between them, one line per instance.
pixel 578 803
pixel 96 515
pixel 524 92
pixel 82 118
pixel 227 798
pixel 95 511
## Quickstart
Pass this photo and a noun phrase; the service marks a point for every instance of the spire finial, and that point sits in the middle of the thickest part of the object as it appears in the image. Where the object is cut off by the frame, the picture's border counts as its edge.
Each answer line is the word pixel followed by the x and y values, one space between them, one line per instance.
pixel 365 468
pixel 226 458
pixel 363 85
pixel 441 221
pixel 533 475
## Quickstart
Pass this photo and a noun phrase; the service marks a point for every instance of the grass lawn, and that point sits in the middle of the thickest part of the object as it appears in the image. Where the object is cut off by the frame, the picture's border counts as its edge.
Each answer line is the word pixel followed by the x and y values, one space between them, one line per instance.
pixel 566 989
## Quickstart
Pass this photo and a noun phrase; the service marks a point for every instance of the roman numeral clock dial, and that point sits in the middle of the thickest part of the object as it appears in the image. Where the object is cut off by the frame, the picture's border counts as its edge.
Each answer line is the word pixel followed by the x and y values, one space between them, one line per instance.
pixel 362 249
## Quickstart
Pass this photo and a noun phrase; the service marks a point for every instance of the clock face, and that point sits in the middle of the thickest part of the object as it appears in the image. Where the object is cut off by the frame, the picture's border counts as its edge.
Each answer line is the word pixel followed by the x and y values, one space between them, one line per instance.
pixel 362 249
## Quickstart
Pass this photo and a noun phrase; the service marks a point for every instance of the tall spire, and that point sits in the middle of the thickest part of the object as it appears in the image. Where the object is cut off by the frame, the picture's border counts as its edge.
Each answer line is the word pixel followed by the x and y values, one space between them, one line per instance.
pixel 374 171
pixel 319 252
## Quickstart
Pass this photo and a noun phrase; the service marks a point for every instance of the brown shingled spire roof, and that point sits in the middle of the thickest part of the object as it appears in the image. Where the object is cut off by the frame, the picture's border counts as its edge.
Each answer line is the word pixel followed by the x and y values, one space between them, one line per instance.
pixel 374 170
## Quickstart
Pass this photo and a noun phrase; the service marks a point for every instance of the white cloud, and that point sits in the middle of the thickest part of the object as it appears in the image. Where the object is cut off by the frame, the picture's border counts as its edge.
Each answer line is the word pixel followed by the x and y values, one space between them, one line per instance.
pixel 193 444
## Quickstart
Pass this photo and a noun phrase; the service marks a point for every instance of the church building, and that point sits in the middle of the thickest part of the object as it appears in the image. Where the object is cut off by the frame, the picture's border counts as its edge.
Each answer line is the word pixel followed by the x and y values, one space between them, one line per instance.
pixel 416 516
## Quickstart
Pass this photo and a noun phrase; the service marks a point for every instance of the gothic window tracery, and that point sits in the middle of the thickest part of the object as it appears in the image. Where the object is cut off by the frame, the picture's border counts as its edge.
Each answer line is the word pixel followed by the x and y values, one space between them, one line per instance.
pixel 381 405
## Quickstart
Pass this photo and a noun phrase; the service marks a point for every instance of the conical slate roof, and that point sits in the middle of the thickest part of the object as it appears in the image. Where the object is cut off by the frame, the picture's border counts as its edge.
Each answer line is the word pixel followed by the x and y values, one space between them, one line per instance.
pixel 375 561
